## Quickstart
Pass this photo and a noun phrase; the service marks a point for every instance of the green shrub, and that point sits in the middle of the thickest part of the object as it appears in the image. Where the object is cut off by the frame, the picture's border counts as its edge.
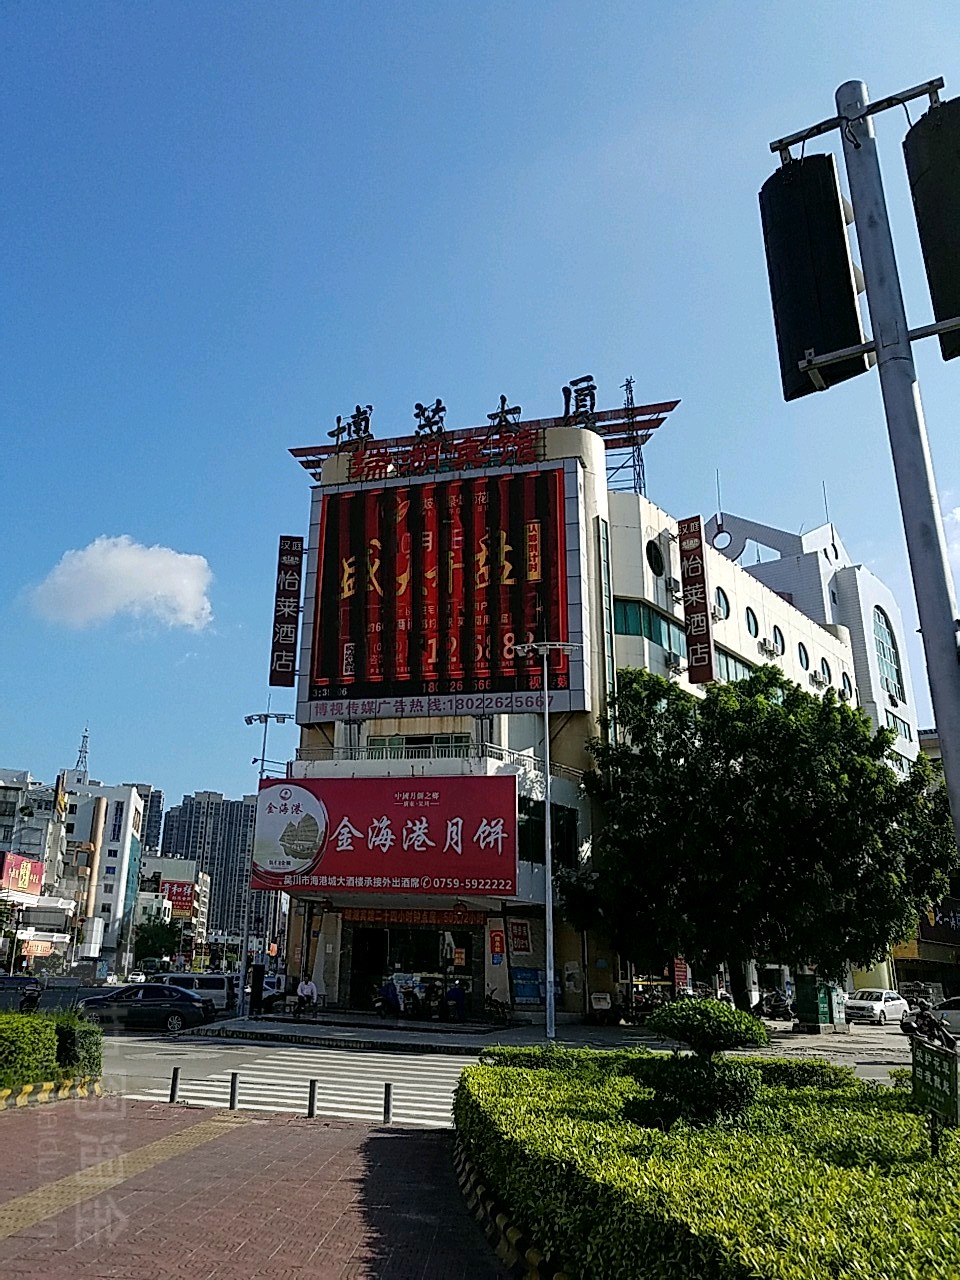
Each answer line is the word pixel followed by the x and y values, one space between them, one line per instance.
pixel 836 1184
pixel 708 1026
pixel 28 1049
pixel 901 1078
pixel 700 1090
pixel 804 1073
pixel 551 1057
pixel 79 1046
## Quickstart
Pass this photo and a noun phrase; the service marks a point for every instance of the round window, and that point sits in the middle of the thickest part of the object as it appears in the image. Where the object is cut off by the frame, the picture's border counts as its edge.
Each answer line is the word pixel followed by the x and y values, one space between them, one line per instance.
pixel 753 626
pixel 722 603
pixel 825 671
pixel 803 656
pixel 655 558
pixel 778 641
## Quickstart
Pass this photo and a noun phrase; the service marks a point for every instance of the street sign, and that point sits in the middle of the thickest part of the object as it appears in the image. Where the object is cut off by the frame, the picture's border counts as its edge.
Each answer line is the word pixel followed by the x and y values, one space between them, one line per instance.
pixel 935 1081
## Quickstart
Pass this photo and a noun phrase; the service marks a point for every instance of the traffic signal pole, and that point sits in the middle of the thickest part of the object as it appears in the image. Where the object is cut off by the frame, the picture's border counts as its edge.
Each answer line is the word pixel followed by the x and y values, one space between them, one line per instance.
pixel 919 505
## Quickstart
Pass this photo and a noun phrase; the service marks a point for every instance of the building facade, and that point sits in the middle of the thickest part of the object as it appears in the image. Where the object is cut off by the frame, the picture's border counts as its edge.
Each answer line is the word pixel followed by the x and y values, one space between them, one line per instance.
pixel 430 566
pixel 217 835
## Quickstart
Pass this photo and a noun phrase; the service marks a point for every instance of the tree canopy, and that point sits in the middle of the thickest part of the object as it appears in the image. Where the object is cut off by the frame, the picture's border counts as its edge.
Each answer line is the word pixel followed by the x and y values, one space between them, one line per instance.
pixel 155 938
pixel 757 822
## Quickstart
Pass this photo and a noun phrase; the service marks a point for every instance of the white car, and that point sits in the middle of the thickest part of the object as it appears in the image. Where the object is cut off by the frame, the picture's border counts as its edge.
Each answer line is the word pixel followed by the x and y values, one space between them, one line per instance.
pixel 876 1005
pixel 137 976
pixel 949 1013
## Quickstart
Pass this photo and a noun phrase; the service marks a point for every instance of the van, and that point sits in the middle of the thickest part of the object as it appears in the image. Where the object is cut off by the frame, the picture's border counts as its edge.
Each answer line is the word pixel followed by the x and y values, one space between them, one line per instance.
pixel 218 987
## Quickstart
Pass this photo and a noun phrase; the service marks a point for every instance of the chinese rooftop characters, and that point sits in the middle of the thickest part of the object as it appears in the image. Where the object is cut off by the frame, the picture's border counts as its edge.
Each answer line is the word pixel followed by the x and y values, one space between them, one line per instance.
pixel 504 418
pixel 355 428
pixel 580 399
pixel 430 418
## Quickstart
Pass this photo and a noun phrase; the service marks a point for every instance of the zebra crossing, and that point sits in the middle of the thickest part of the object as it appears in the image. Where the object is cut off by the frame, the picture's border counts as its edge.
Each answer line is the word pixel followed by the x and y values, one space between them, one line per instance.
pixel 349 1085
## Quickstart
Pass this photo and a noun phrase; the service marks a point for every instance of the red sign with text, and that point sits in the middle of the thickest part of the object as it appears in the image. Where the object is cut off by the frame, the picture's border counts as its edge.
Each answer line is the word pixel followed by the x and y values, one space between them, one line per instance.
pixel 388 835
pixel 20 875
pixel 179 893
pixel 697 615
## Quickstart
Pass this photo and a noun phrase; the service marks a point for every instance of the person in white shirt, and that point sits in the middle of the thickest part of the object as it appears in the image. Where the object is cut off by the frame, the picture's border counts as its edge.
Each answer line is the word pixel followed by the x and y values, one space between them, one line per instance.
pixel 306 995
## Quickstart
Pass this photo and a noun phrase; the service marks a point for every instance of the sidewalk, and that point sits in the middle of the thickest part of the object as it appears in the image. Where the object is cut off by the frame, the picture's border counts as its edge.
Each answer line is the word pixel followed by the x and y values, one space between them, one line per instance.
pixel 141 1191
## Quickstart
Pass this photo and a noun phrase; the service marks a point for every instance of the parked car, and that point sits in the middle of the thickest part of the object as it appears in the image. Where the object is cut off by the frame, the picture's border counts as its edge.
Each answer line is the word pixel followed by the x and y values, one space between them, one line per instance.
pixel 137 976
pixel 218 987
pixel 876 1005
pixel 148 1006
pixel 949 1012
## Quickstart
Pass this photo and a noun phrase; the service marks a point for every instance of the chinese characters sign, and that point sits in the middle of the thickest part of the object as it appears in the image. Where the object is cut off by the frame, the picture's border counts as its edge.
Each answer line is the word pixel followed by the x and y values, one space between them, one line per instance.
pixel 521 943
pixel 179 894
pixel 935 1081
pixel 942 923
pixel 696 601
pixel 425 591
pixel 20 875
pixel 388 835
pixel 286 613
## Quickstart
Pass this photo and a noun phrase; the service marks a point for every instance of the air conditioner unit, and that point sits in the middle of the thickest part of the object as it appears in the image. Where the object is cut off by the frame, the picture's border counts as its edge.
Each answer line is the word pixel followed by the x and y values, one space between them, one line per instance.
pixel 716 613
pixel 674 661
pixel 672 584
pixel 893 700
pixel 767 648
pixel 817 680
pixel 843 695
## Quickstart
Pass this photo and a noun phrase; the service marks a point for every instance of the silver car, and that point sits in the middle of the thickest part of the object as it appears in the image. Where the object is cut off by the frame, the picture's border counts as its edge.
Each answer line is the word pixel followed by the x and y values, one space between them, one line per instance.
pixel 949 1012
pixel 876 1005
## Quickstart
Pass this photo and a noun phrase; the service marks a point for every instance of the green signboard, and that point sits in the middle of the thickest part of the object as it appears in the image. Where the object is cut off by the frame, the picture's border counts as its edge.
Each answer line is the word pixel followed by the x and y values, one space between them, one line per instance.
pixel 935 1086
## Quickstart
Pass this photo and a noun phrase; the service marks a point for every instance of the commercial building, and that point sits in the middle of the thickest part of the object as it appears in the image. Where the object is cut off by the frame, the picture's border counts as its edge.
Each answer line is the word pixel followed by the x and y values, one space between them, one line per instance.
pixel 432 561
pixel 216 834
pixel 152 831
pixel 186 889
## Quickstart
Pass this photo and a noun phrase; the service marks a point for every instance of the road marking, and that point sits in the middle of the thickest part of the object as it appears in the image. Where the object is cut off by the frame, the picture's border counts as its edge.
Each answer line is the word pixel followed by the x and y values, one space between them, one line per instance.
pixel 36 1206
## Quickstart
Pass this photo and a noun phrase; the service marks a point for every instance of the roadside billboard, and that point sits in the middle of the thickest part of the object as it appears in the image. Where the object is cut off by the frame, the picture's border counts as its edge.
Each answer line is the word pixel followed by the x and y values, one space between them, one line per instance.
pixel 20 877
pixel 388 835
pixel 180 894
pixel 424 590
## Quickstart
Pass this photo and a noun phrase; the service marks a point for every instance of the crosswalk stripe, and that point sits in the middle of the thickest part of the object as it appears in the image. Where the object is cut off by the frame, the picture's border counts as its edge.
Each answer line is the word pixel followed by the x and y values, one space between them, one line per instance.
pixel 394 1061
pixel 409 1106
pixel 338 1112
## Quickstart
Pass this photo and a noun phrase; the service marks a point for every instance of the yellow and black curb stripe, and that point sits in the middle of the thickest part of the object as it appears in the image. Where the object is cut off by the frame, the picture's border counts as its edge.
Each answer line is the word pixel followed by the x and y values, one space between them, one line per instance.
pixel 31 1095
pixel 523 1259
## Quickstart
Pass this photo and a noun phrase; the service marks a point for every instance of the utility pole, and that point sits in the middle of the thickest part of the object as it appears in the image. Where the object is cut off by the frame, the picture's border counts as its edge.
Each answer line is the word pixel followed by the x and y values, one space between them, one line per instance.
pixel 909 446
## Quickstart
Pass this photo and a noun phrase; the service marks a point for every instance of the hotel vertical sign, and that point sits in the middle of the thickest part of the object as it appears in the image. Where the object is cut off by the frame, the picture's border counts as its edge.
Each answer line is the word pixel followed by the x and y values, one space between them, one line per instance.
pixel 286 613
pixel 696 602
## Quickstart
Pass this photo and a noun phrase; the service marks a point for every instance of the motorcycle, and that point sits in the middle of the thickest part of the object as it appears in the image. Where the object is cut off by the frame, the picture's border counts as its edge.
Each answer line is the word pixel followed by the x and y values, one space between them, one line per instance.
pixel 921 1024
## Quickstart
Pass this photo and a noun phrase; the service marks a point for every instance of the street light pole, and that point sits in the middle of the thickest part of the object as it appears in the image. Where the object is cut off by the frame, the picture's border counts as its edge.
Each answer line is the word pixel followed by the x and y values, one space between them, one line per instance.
pixel 264 718
pixel 544 648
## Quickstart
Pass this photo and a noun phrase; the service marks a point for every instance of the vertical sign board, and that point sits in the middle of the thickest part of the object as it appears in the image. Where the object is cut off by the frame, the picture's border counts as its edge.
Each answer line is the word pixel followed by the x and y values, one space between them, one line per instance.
pixel 935 1084
pixel 286 613
pixel 696 602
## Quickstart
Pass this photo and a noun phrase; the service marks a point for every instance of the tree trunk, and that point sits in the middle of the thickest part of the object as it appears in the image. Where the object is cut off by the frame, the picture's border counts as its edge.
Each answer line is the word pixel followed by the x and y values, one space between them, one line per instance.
pixel 738 984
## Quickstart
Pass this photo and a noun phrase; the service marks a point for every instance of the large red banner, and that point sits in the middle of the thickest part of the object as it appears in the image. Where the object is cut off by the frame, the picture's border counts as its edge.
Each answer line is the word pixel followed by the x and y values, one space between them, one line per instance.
pixel 388 835
pixel 426 590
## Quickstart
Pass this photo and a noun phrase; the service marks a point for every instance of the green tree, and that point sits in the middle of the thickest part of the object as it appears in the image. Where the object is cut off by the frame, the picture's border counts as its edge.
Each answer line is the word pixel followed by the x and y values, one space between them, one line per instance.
pixel 757 822
pixel 154 938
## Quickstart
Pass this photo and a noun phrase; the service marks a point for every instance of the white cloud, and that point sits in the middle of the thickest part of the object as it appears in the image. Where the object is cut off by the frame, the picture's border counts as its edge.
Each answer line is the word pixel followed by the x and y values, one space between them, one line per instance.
pixel 115 576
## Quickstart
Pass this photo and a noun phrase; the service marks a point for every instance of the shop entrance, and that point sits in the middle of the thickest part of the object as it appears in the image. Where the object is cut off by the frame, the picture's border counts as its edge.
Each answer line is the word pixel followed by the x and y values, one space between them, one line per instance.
pixel 370 959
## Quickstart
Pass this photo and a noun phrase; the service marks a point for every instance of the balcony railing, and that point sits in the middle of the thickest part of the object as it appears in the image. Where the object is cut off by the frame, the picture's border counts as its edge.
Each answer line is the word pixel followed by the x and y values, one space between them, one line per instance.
pixel 458 751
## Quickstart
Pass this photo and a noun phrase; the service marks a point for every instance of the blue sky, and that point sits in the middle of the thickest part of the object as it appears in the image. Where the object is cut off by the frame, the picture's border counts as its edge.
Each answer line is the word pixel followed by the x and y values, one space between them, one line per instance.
pixel 224 224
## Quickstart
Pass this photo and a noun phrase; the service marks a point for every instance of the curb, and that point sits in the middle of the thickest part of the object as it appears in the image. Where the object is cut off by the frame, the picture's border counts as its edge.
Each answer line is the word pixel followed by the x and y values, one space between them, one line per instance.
pixel 523 1260
pixel 343 1042
pixel 30 1095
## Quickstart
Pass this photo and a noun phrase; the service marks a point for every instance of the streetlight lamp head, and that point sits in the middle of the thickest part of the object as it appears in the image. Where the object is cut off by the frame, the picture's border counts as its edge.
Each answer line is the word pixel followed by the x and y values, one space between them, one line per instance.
pixel 249 719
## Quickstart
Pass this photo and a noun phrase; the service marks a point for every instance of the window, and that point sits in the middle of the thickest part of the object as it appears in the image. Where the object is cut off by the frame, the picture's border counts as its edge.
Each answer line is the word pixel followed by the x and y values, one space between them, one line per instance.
pixel 752 625
pixel 110 871
pixel 531 834
pixel 105 909
pixel 71 808
pixel 730 668
pixel 419 746
pixel 900 727
pixel 70 826
pixel 825 671
pixel 117 820
pixel 634 618
pixel 111 853
pixel 655 559
pixel 803 656
pixel 847 686
pixel 722 603
pixel 888 656
pixel 778 641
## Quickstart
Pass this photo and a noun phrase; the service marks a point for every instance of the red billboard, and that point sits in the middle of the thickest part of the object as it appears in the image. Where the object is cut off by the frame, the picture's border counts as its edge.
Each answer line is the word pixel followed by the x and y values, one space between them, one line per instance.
pixel 388 835
pixel 179 893
pixel 20 875
pixel 425 591
pixel 697 604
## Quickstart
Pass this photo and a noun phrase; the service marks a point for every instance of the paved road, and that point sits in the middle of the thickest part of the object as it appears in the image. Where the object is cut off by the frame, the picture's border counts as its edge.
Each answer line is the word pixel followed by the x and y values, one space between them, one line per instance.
pixel 350 1083
pixel 137 1191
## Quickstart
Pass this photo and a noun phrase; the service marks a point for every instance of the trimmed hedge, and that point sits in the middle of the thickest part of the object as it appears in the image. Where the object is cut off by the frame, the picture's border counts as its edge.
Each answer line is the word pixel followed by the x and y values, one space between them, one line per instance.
pixel 708 1026
pixel 79 1046
pixel 812 1185
pixel 36 1047
pixel 28 1049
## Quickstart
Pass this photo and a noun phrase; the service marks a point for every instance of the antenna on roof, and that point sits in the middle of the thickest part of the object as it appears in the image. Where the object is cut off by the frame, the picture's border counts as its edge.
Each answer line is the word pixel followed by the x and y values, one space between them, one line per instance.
pixel 84 748
pixel 719 503
pixel 826 504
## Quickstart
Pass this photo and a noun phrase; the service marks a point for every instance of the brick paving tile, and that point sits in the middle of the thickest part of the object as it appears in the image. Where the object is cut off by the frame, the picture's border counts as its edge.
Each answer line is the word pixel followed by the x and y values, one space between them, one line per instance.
pixel 252 1199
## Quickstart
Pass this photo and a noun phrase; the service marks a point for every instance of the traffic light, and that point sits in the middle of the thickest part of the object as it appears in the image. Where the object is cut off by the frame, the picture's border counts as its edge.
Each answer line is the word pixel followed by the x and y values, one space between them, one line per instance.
pixel 811 274
pixel 931 150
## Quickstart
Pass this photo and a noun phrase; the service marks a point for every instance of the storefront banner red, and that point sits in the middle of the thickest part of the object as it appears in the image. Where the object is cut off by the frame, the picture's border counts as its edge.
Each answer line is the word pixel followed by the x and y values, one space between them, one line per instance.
pixel 447 835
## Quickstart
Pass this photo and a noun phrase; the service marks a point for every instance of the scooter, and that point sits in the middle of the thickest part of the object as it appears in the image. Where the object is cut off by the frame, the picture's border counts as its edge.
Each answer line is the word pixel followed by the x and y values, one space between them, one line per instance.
pixel 920 1024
